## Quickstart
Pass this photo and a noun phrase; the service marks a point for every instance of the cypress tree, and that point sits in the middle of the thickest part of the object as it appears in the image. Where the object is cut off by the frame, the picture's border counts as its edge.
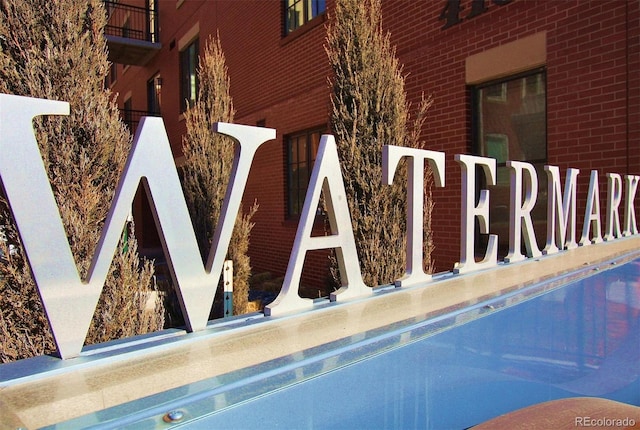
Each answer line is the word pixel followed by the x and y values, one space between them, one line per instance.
pixel 56 50
pixel 207 168
pixel 368 110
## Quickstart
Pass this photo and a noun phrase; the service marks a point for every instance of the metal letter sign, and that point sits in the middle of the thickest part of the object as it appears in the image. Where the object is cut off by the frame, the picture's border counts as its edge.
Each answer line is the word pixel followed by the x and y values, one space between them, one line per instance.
pixel 326 177
pixel 561 210
pixel 592 213
pixel 69 301
pixel 391 155
pixel 630 226
pixel 451 11
pixel 614 197
pixel 524 181
pixel 471 211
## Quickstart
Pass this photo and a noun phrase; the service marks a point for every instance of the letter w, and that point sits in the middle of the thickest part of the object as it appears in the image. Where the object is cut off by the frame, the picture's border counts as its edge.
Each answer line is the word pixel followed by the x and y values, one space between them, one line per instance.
pixel 69 301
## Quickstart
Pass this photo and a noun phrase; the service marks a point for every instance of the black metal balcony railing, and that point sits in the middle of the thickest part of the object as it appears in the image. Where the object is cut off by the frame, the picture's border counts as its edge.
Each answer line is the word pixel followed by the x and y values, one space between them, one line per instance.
pixel 132 22
pixel 131 117
pixel 131 32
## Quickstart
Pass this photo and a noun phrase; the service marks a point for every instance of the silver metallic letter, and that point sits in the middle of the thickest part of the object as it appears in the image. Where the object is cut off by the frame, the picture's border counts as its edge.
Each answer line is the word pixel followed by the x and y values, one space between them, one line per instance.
pixel 614 197
pixel 592 213
pixel 561 211
pixel 471 211
pixel 326 178
pixel 391 155
pixel 630 226
pixel 69 301
pixel 523 181
pixel 152 163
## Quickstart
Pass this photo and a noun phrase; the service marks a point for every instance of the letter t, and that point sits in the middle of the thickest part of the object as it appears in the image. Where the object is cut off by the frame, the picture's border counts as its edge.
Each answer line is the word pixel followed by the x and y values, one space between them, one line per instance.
pixel 391 155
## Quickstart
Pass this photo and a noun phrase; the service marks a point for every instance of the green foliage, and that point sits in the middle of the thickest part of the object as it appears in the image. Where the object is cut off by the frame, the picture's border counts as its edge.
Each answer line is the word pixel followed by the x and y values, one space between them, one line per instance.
pixel 369 110
pixel 208 161
pixel 56 50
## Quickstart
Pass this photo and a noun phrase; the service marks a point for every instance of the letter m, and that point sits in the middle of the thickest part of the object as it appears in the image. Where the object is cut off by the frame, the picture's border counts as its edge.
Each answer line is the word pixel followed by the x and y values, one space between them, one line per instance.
pixel 70 301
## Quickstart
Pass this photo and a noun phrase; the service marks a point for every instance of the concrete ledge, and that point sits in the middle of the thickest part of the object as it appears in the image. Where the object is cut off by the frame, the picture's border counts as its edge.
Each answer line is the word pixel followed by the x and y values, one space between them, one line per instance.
pixel 99 380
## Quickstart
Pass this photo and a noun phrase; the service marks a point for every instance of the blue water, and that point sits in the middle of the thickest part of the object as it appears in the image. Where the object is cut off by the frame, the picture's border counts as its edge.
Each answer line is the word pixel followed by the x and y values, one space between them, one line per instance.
pixel 579 340
pixel 452 372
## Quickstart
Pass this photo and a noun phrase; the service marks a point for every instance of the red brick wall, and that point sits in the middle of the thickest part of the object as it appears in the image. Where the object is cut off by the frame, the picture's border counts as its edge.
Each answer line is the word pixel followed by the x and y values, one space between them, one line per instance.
pixel 593 93
pixel 281 81
pixel 592 86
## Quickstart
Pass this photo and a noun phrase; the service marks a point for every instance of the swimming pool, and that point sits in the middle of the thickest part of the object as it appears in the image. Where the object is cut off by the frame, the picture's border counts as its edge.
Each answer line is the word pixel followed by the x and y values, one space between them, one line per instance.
pixel 565 337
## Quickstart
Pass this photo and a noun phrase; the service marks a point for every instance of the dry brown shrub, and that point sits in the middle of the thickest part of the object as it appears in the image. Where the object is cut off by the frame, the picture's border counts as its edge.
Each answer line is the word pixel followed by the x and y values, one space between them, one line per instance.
pixel 56 50
pixel 207 168
pixel 369 110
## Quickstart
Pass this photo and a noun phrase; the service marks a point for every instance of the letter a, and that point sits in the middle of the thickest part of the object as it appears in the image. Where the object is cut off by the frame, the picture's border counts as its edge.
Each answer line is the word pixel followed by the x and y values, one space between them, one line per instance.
pixel 592 213
pixel 326 177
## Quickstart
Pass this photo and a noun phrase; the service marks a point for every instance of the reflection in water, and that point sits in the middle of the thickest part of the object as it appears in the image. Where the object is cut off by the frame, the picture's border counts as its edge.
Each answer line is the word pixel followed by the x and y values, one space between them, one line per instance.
pixel 577 340
pixel 450 371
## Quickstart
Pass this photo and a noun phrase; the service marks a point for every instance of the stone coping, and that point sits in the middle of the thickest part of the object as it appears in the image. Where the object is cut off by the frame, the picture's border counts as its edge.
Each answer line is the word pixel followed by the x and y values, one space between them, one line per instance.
pixel 125 371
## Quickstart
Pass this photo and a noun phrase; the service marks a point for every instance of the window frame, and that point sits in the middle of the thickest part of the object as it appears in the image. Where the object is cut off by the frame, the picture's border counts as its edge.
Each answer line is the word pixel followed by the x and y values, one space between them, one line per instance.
pixel 112 75
pixel 127 108
pixel 476 107
pixel 296 193
pixel 478 136
pixel 154 95
pixel 189 61
pixel 311 9
pixel 501 96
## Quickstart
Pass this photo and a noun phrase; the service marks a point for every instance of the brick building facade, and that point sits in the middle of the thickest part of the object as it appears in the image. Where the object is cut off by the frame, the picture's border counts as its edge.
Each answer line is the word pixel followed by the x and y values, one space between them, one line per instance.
pixel 530 80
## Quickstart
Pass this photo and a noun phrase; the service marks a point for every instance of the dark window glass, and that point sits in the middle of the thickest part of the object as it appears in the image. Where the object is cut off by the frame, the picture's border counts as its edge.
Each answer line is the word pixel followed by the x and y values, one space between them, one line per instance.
pixel 126 28
pixel 112 76
pixel 188 75
pixel 154 95
pixel 509 118
pixel 152 21
pixel 299 12
pixel 128 114
pixel 301 153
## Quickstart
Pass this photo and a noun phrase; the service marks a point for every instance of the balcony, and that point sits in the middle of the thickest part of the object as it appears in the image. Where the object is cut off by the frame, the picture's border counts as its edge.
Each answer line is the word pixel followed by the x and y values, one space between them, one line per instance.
pixel 131 32
pixel 131 117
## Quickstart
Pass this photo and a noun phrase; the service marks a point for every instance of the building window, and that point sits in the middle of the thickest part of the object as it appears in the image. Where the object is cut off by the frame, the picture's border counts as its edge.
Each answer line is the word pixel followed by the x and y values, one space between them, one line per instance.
pixel 533 85
pixel 509 118
pixel 152 21
pixel 126 28
pixel 188 75
pixel 497 146
pixel 496 93
pixel 127 113
pixel 299 12
pixel 301 153
pixel 154 95
pixel 112 76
